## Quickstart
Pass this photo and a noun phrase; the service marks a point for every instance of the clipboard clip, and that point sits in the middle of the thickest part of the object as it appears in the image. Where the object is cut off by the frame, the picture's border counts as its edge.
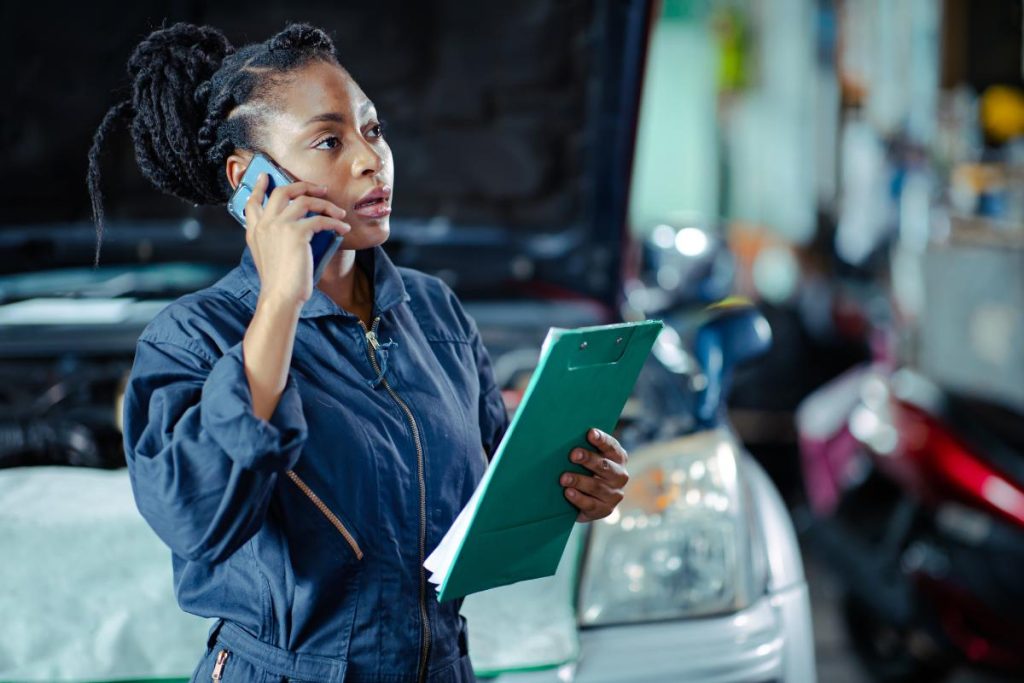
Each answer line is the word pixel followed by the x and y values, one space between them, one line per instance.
pixel 602 347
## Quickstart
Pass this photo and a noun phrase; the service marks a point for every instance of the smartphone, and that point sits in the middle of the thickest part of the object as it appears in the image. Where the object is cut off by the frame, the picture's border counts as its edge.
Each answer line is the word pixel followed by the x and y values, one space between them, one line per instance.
pixel 323 243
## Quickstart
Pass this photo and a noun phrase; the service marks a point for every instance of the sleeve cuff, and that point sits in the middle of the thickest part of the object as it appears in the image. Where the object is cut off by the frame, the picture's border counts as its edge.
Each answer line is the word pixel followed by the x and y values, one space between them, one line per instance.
pixel 227 415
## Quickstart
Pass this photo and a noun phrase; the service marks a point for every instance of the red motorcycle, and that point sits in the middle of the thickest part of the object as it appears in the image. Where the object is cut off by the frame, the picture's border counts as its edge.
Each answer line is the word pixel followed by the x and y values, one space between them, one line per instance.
pixel 916 497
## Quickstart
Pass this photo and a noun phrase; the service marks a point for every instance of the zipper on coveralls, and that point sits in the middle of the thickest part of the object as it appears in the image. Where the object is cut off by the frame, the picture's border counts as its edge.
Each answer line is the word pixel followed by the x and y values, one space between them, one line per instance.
pixel 218 667
pixel 372 346
pixel 331 517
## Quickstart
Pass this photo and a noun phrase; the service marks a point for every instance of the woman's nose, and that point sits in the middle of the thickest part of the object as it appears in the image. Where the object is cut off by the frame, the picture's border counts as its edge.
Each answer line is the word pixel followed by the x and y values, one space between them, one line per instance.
pixel 367 161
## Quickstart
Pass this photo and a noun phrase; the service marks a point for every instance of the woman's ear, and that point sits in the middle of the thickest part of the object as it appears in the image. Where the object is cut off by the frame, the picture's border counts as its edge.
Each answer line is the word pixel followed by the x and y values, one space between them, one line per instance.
pixel 235 167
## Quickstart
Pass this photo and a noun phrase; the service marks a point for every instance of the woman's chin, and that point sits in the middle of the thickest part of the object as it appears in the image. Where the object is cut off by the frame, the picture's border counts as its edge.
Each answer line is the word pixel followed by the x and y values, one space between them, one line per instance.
pixel 368 233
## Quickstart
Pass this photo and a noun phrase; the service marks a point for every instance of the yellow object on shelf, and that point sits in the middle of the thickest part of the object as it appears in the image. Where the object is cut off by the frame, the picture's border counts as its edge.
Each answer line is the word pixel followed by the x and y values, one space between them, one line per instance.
pixel 1002 112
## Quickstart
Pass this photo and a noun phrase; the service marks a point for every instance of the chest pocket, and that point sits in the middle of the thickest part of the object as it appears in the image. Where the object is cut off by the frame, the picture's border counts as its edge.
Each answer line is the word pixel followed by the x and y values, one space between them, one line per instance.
pixel 322 488
pixel 345 529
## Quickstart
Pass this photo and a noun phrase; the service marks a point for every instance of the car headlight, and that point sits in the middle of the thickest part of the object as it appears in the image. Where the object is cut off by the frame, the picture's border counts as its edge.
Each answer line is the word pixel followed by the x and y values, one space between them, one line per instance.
pixel 678 545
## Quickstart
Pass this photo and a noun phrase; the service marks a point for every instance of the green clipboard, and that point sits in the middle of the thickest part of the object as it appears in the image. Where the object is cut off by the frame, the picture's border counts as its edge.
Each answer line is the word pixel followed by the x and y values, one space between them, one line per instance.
pixel 518 521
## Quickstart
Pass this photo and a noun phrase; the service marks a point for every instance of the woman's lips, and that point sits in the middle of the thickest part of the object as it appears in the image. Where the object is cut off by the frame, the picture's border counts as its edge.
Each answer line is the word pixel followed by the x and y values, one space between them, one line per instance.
pixel 376 209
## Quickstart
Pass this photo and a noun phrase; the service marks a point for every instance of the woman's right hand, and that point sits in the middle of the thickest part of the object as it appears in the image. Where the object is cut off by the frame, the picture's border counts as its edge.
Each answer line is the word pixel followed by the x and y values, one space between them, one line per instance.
pixel 278 236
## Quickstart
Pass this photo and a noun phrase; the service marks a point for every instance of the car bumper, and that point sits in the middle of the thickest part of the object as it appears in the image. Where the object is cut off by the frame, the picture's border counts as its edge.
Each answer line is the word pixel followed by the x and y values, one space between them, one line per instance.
pixel 765 642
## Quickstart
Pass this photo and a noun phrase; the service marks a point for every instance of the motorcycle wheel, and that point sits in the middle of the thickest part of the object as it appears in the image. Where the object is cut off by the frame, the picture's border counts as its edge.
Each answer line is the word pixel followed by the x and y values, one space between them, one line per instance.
pixel 887 651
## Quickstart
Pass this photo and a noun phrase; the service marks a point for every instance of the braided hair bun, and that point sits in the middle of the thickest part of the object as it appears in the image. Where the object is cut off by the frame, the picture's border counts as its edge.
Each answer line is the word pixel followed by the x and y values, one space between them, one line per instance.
pixel 171 72
pixel 187 83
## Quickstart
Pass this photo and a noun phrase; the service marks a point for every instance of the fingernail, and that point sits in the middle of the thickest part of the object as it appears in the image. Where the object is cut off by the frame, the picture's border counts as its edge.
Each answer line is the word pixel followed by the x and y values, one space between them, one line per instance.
pixel 571 492
pixel 577 455
pixel 566 479
pixel 595 433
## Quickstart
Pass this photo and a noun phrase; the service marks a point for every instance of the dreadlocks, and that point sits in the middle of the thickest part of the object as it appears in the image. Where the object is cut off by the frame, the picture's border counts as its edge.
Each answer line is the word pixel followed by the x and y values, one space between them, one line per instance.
pixel 195 99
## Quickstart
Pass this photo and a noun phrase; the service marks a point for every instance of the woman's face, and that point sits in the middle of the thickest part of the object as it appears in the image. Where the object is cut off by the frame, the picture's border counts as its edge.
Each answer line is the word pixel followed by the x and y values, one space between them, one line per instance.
pixel 326 131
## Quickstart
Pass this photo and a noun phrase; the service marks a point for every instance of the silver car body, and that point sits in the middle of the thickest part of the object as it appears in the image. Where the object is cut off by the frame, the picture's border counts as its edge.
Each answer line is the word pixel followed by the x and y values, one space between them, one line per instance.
pixel 770 639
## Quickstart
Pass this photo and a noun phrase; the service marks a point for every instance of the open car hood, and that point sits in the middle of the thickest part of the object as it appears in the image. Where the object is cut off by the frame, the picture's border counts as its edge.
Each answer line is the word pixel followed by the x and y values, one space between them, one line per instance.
pixel 512 127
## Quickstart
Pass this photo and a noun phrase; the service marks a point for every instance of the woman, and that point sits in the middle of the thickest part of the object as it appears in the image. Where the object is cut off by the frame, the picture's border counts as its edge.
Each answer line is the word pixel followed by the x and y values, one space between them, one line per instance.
pixel 302 449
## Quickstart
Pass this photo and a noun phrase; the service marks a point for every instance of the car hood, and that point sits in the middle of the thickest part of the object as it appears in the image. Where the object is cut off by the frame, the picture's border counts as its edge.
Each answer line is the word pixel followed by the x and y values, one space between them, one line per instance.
pixel 512 129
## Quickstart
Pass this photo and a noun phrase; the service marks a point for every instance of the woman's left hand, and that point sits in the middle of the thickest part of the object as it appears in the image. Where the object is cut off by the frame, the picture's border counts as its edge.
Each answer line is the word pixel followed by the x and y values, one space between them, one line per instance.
pixel 596 495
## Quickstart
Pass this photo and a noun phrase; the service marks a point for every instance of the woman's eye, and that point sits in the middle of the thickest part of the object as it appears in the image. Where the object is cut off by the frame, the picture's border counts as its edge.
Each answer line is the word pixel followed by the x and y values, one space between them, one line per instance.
pixel 327 139
pixel 378 129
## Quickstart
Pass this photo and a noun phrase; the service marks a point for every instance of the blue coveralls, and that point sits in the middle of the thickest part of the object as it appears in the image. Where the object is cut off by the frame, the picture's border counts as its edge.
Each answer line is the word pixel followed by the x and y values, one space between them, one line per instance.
pixel 305 534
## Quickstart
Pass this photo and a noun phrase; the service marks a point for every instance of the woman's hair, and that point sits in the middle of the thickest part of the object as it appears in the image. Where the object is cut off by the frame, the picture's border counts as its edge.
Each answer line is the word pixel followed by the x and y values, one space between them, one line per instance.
pixel 188 83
